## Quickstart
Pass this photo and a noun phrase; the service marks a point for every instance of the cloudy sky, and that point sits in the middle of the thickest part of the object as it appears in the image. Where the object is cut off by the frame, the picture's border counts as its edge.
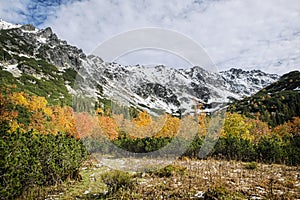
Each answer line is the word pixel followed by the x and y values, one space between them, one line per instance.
pixel 248 34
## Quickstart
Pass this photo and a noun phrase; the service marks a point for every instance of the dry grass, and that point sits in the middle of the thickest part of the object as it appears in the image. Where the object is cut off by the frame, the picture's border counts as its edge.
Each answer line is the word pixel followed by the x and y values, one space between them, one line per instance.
pixel 223 179
pixel 190 179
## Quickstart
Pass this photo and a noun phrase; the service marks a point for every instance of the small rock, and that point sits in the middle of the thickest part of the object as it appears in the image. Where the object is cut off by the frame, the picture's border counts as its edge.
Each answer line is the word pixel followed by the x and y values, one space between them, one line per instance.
pixel 87 191
pixel 93 179
pixel 255 197
pixel 237 170
pixel 98 165
pixel 200 194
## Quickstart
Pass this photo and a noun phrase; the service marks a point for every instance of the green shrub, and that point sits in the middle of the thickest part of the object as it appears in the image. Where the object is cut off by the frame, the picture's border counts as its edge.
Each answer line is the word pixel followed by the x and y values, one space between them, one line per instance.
pixel 267 149
pixel 4 55
pixel 116 180
pixel 6 78
pixel 251 165
pixel 271 150
pixel 28 160
pixel 171 170
pixel 216 193
pixel 70 75
pixel 292 149
pixel 232 147
pixel 194 148
pixel 221 193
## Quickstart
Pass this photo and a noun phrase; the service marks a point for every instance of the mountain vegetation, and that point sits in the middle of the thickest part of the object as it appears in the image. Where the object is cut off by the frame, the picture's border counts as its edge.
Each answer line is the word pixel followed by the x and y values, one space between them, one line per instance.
pixel 57 109
pixel 275 104
pixel 38 139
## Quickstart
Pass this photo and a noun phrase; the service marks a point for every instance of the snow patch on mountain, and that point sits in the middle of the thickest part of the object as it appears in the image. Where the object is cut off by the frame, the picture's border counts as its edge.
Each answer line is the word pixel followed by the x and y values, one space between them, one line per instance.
pixel 247 83
pixel 13 69
pixel 5 25
pixel 175 91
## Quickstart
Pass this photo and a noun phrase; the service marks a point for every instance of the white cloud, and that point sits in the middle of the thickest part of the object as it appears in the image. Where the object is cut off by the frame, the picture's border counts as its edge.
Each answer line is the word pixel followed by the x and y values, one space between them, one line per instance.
pixel 13 10
pixel 29 11
pixel 247 33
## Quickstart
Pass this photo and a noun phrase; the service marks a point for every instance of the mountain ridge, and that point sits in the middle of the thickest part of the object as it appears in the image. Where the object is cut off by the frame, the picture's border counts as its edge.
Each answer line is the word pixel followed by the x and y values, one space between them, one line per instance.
pixel 35 57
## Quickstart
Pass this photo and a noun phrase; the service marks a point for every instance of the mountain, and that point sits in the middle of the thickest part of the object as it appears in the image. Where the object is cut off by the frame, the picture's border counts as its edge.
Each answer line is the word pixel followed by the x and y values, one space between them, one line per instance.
pixel 162 88
pixel 40 63
pixel 276 103
pixel 247 83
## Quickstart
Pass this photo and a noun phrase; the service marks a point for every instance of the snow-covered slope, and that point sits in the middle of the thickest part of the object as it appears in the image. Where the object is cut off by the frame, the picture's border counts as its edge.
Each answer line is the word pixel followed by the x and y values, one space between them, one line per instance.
pixel 161 88
pixel 246 83
pixel 156 89
pixel 6 25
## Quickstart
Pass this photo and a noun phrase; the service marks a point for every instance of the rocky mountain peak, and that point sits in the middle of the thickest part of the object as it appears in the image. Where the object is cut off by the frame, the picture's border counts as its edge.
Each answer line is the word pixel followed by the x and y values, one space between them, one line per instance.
pixel 28 27
pixel 36 43
pixel 47 32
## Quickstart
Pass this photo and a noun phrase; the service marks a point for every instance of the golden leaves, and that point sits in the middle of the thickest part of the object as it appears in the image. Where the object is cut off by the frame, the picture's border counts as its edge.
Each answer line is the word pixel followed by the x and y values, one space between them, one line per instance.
pixel 21 111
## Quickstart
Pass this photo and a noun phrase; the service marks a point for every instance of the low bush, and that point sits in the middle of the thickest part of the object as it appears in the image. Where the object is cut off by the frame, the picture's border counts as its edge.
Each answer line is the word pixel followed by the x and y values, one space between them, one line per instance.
pixel 116 180
pixel 251 165
pixel 216 193
pixel 28 160
pixel 267 150
pixel 170 170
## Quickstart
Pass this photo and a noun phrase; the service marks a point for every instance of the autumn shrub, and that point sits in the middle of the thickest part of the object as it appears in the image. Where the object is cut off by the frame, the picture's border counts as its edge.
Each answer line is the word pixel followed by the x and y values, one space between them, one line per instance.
pixel 28 160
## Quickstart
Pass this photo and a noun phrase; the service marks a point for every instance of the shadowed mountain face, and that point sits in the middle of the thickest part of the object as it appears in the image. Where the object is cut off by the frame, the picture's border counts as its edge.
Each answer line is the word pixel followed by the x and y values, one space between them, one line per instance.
pixel 42 64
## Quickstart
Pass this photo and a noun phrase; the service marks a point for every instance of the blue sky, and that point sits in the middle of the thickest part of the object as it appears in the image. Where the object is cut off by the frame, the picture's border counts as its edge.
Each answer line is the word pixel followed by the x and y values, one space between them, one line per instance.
pixel 248 34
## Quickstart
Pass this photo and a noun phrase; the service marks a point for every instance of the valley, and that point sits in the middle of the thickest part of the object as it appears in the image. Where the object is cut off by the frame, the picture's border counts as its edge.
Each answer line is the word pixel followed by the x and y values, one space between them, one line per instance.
pixel 73 124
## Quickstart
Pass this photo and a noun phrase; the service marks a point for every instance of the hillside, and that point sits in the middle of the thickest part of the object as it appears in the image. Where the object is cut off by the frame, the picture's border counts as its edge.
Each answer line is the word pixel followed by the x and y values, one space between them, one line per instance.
pixel 276 103
pixel 38 62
